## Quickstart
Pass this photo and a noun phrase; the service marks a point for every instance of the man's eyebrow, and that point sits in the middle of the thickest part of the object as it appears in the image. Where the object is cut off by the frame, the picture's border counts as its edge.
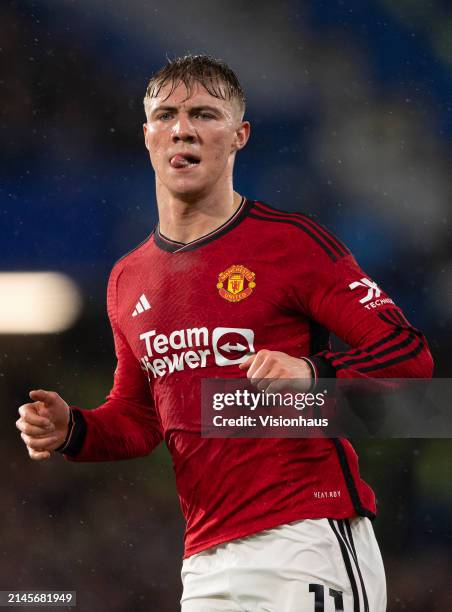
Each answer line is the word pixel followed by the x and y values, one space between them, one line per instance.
pixel 191 109
pixel 205 107
pixel 159 109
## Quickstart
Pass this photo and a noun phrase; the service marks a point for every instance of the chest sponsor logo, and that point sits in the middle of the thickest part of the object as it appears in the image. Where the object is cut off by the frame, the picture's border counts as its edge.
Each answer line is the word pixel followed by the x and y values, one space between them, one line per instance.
pixel 371 299
pixel 236 283
pixel 194 348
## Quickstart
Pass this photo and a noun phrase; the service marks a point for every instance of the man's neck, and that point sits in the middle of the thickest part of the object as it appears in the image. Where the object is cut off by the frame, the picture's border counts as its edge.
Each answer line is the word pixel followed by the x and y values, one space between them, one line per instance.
pixel 183 221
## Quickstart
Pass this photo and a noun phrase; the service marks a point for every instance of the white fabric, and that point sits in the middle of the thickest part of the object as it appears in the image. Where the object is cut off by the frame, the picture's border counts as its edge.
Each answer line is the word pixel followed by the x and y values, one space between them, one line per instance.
pixel 272 571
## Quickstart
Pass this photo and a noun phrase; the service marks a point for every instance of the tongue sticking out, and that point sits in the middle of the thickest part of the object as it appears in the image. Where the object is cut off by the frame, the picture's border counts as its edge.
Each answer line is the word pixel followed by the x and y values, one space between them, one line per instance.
pixel 179 161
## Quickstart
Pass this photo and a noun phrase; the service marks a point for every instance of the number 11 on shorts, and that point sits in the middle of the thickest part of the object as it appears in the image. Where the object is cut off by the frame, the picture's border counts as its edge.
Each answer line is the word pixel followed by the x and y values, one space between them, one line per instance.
pixel 319 598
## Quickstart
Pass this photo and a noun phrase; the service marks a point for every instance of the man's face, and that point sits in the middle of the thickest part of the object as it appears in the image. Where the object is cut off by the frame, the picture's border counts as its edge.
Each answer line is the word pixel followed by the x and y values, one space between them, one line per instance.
pixel 192 141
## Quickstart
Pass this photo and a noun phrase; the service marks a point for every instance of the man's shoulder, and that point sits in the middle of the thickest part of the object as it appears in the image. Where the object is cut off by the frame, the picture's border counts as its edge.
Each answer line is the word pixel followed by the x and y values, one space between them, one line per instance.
pixel 282 218
pixel 298 229
pixel 129 258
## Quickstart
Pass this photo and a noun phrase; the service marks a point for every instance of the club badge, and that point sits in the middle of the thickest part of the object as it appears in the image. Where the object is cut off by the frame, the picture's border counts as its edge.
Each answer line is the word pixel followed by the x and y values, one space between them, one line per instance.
pixel 236 283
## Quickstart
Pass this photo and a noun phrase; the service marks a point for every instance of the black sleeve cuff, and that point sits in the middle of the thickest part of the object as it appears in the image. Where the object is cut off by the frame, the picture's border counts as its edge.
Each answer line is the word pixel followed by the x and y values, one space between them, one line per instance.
pixel 76 434
pixel 313 373
pixel 323 367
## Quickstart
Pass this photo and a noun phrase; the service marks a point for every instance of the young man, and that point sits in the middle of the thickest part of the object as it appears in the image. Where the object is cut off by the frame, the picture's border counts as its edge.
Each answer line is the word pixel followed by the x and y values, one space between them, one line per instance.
pixel 280 525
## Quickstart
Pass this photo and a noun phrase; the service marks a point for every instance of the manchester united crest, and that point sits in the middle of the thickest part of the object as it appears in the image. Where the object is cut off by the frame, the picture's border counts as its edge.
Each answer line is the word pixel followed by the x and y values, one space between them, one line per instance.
pixel 236 283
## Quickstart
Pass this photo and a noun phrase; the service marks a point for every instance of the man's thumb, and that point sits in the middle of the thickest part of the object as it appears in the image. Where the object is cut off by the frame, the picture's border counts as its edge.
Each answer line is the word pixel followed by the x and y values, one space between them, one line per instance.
pixel 246 364
pixel 39 395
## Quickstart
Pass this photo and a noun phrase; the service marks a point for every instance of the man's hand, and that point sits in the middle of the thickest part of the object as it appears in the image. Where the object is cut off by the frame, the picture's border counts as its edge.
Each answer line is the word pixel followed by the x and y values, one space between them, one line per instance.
pixel 43 423
pixel 278 366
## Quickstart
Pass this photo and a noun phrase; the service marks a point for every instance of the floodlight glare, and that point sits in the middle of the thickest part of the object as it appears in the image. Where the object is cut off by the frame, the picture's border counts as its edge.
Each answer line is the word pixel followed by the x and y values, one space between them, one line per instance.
pixel 37 302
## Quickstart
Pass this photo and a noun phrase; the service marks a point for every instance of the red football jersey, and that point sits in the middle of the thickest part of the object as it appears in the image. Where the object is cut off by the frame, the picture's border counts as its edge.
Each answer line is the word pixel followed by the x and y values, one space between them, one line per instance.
pixel 264 279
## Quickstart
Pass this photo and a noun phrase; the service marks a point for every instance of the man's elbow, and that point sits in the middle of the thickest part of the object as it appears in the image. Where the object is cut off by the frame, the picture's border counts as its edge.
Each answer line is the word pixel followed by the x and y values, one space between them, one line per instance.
pixel 422 365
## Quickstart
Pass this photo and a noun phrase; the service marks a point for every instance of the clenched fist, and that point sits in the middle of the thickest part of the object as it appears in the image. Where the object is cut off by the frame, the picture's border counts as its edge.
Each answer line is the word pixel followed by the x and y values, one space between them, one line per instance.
pixel 43 423
pixel 280 367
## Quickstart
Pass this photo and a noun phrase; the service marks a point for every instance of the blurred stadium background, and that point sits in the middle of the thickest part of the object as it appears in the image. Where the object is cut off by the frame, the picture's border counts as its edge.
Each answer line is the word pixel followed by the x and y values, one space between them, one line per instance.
pixel 351 109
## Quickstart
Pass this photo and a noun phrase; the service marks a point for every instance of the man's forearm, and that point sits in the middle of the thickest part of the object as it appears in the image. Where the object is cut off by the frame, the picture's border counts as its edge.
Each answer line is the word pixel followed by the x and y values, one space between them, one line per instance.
pixel 116 430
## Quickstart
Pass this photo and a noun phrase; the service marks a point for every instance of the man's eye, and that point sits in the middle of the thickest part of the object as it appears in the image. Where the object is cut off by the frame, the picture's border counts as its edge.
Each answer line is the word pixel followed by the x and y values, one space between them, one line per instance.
pixel 204 116
pixel 164 116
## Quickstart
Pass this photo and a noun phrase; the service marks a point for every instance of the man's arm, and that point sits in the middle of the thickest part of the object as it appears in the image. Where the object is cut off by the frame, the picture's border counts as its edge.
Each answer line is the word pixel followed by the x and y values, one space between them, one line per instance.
pixel 339 297
pixel 343 299
pixel 123 427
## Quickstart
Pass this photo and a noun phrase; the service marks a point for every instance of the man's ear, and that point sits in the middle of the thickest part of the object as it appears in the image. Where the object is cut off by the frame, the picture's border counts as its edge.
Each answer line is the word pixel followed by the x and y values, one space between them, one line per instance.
pixel 241 136
pixel 145 134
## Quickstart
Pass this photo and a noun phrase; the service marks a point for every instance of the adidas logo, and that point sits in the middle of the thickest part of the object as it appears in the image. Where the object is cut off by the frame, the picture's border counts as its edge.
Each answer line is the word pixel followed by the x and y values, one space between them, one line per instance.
pixel 141 306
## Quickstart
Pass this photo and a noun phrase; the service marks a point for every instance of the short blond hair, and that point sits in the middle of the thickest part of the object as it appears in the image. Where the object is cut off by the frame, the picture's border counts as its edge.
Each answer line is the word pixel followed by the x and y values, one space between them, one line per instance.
pixel 214 75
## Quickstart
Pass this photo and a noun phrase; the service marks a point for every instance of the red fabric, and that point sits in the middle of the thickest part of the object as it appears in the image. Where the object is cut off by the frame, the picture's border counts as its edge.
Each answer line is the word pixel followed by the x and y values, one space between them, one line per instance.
pixel 231 488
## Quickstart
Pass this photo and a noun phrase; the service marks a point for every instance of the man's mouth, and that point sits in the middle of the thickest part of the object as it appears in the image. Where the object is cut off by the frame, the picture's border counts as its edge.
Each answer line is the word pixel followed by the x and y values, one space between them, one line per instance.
pixel 184 160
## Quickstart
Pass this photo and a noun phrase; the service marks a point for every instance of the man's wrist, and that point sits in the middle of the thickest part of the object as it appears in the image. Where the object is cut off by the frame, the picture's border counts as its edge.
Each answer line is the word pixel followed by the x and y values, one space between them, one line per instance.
pixel 70 427
pixel 75 435
pixel 313 371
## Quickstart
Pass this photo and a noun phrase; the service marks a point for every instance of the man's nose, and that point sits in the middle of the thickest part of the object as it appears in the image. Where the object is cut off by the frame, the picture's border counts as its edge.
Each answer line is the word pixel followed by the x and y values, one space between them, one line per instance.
pixel 183 130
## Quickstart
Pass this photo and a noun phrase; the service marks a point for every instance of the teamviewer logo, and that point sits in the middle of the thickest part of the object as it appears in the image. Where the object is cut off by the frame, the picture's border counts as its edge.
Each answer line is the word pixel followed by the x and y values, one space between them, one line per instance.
pixel 373 290
pixel 232 345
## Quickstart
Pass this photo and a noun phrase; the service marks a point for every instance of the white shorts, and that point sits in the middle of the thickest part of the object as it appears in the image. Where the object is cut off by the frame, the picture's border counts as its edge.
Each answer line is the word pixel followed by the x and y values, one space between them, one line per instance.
pixel 320 565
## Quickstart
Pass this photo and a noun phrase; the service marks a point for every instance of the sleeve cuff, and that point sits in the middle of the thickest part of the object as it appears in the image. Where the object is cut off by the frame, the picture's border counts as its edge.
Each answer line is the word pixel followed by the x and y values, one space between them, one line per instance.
pixel 76 434
pixel 321 367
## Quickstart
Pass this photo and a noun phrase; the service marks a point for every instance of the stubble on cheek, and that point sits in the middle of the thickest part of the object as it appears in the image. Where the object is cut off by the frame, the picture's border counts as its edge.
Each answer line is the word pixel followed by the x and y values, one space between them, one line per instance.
pixel 158 157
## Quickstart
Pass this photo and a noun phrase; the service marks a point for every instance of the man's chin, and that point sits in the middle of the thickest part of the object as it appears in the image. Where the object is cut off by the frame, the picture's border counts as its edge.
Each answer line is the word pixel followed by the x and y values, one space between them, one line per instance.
pixel 187 192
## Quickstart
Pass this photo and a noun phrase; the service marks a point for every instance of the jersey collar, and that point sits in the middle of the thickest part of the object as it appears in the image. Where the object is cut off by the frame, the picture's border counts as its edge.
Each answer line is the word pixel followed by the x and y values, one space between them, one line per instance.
pixel 172 246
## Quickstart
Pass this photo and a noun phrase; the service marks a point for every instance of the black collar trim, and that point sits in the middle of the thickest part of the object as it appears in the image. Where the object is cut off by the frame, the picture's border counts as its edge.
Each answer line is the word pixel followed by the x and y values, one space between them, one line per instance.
pixel 171 246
